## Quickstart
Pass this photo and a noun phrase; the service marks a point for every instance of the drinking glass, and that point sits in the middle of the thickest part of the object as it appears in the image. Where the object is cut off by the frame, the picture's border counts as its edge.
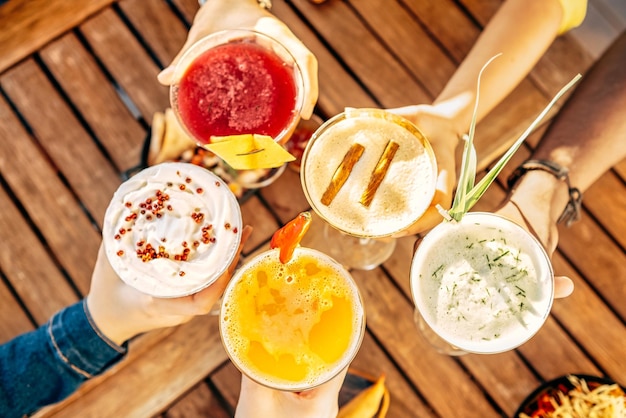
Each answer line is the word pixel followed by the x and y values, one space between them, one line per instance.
pixel 384 192
pixel 292 326
pixel 481 285
pixel 237 82
pixel 172 229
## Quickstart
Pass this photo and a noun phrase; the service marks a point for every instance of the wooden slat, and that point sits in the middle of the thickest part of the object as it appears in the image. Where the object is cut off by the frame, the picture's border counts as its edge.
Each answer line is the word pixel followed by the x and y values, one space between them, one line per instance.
pixel 227 380
pixel 200 402
pixel 13 320
pixel 598 29
pixel 285 196
pixel 257 215
pixel 95 98
pixel 620 169
pixel 337 88
pixel 448 24
pixel 62 137
pixel 598 258
pixel 35 277
pixel 368 59
pixel 409 42
pixel 27 25
pixel 188 8
pixel 405 402
pixel 149 18
pixel 606 200
pixel 157 375
pixel 50 205
pixel 127 61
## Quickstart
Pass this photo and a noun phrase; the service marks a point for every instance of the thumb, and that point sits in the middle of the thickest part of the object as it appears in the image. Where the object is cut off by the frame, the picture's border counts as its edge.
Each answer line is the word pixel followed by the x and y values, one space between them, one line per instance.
pixel 563 287
pixel 165 76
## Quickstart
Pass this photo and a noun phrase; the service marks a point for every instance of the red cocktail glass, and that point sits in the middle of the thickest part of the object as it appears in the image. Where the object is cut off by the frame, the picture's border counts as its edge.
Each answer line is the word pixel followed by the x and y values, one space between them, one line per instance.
pixel 237 82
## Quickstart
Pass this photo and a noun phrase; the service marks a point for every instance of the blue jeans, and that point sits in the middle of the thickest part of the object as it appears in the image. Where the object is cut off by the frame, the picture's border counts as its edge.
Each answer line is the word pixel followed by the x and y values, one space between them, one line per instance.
pixel 46 365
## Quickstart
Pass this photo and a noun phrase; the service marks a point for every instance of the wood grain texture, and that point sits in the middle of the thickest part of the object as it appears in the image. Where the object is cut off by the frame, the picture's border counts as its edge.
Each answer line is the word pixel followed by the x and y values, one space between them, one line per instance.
pixel 27 25
pixel 96 99
pixel 169 364
pixel 79 89
pixel 127 62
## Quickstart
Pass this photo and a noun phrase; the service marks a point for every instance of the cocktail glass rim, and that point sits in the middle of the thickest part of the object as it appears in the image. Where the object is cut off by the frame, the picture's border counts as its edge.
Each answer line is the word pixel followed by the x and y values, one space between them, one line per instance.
pixel 343 363
pixel 229 35
pixel 350 113
pixel 226 262
pixel 547 278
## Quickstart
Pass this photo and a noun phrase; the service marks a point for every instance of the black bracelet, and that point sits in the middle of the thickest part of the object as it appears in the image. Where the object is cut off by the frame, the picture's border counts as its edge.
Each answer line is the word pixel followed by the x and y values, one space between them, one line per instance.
pixel 571 213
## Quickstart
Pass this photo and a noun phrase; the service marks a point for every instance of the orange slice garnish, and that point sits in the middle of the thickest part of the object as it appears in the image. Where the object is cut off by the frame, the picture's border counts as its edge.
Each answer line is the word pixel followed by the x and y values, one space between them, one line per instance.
pixel 289 236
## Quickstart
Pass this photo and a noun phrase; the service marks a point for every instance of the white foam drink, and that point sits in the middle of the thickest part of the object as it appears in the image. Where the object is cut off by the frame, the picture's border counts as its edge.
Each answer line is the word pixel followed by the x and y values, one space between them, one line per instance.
pixel 484 284
pixel 172 229
pixel 406 190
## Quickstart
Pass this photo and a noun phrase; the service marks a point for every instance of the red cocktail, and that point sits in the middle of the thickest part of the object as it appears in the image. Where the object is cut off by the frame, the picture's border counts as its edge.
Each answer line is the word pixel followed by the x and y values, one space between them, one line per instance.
pixel 237 82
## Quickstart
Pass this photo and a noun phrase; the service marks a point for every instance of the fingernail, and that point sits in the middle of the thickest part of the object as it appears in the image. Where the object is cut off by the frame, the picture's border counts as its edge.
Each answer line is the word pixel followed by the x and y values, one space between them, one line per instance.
pixel 165 76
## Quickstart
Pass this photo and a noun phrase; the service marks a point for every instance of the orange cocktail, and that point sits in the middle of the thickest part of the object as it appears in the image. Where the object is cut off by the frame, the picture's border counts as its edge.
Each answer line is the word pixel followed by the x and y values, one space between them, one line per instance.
pixel 292 326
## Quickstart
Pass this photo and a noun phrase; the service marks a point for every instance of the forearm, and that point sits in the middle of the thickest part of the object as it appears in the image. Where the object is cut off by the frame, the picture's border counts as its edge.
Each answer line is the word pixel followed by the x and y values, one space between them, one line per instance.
pixel 588 136
pixel 48 364
pixel 522 30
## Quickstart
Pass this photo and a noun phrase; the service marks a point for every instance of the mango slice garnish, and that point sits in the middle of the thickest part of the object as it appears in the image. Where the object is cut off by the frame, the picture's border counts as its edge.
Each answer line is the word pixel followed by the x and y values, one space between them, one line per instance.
pixel 372 402
pixel 287 238
pixel 249 151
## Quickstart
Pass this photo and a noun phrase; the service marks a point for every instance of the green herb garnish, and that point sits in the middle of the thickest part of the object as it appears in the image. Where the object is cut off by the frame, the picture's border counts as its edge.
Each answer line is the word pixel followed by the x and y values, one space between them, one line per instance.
pixel 467 194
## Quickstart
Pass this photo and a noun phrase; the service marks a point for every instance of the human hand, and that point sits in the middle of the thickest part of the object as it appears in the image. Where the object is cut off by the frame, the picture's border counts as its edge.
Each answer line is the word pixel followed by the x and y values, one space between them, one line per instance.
pixel 218 15
pixel 257 400
pixel 443 136
pixel 537 220
pixel 121 312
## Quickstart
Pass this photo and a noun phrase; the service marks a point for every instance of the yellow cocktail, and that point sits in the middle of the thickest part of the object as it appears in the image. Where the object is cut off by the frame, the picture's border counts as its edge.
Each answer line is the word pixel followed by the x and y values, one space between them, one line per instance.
pixel 292 326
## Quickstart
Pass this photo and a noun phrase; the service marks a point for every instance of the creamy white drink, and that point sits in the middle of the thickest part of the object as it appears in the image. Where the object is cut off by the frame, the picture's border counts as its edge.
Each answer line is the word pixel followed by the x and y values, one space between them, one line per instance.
pixel 172 229
pixel 484 284
pixel 405 191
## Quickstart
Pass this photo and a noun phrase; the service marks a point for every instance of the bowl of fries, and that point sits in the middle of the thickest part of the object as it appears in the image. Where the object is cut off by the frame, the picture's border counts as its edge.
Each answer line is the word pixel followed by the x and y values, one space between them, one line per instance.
pixel 575 396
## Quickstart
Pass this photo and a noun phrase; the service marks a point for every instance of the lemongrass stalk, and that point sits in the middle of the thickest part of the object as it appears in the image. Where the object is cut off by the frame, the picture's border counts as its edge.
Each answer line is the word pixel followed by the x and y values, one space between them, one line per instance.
pixel 467 193
pixel 468 164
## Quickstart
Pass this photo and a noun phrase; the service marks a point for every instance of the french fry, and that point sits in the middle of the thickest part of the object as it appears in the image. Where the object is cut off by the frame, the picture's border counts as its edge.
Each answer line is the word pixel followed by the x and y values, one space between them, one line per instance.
pixel 342 172
pixel 379 173
pixel 157 132
pixel 175 139
pixel 367 403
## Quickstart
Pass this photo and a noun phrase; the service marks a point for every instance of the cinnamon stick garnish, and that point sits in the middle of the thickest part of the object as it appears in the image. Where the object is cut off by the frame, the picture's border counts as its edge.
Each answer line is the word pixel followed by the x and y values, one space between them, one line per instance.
pixel 342 172
pixel 379 173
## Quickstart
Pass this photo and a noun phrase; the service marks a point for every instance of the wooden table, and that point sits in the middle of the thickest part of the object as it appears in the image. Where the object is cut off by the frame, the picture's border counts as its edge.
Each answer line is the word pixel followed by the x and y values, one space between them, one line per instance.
pixel 78 84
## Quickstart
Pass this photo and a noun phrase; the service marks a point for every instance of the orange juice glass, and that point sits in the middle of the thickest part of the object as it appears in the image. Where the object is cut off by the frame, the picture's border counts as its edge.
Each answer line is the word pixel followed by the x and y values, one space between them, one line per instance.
pixel 292 326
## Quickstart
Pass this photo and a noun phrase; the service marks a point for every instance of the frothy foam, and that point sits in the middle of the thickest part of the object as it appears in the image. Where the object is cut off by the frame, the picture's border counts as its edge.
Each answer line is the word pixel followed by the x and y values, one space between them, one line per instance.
pixel 484 285
pixel 272 319
pixel 172 229
pixel 403 196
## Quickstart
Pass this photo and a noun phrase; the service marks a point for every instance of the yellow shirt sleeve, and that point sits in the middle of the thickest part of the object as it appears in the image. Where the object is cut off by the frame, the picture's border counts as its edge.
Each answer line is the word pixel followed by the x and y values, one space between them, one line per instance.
pixel 574 12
